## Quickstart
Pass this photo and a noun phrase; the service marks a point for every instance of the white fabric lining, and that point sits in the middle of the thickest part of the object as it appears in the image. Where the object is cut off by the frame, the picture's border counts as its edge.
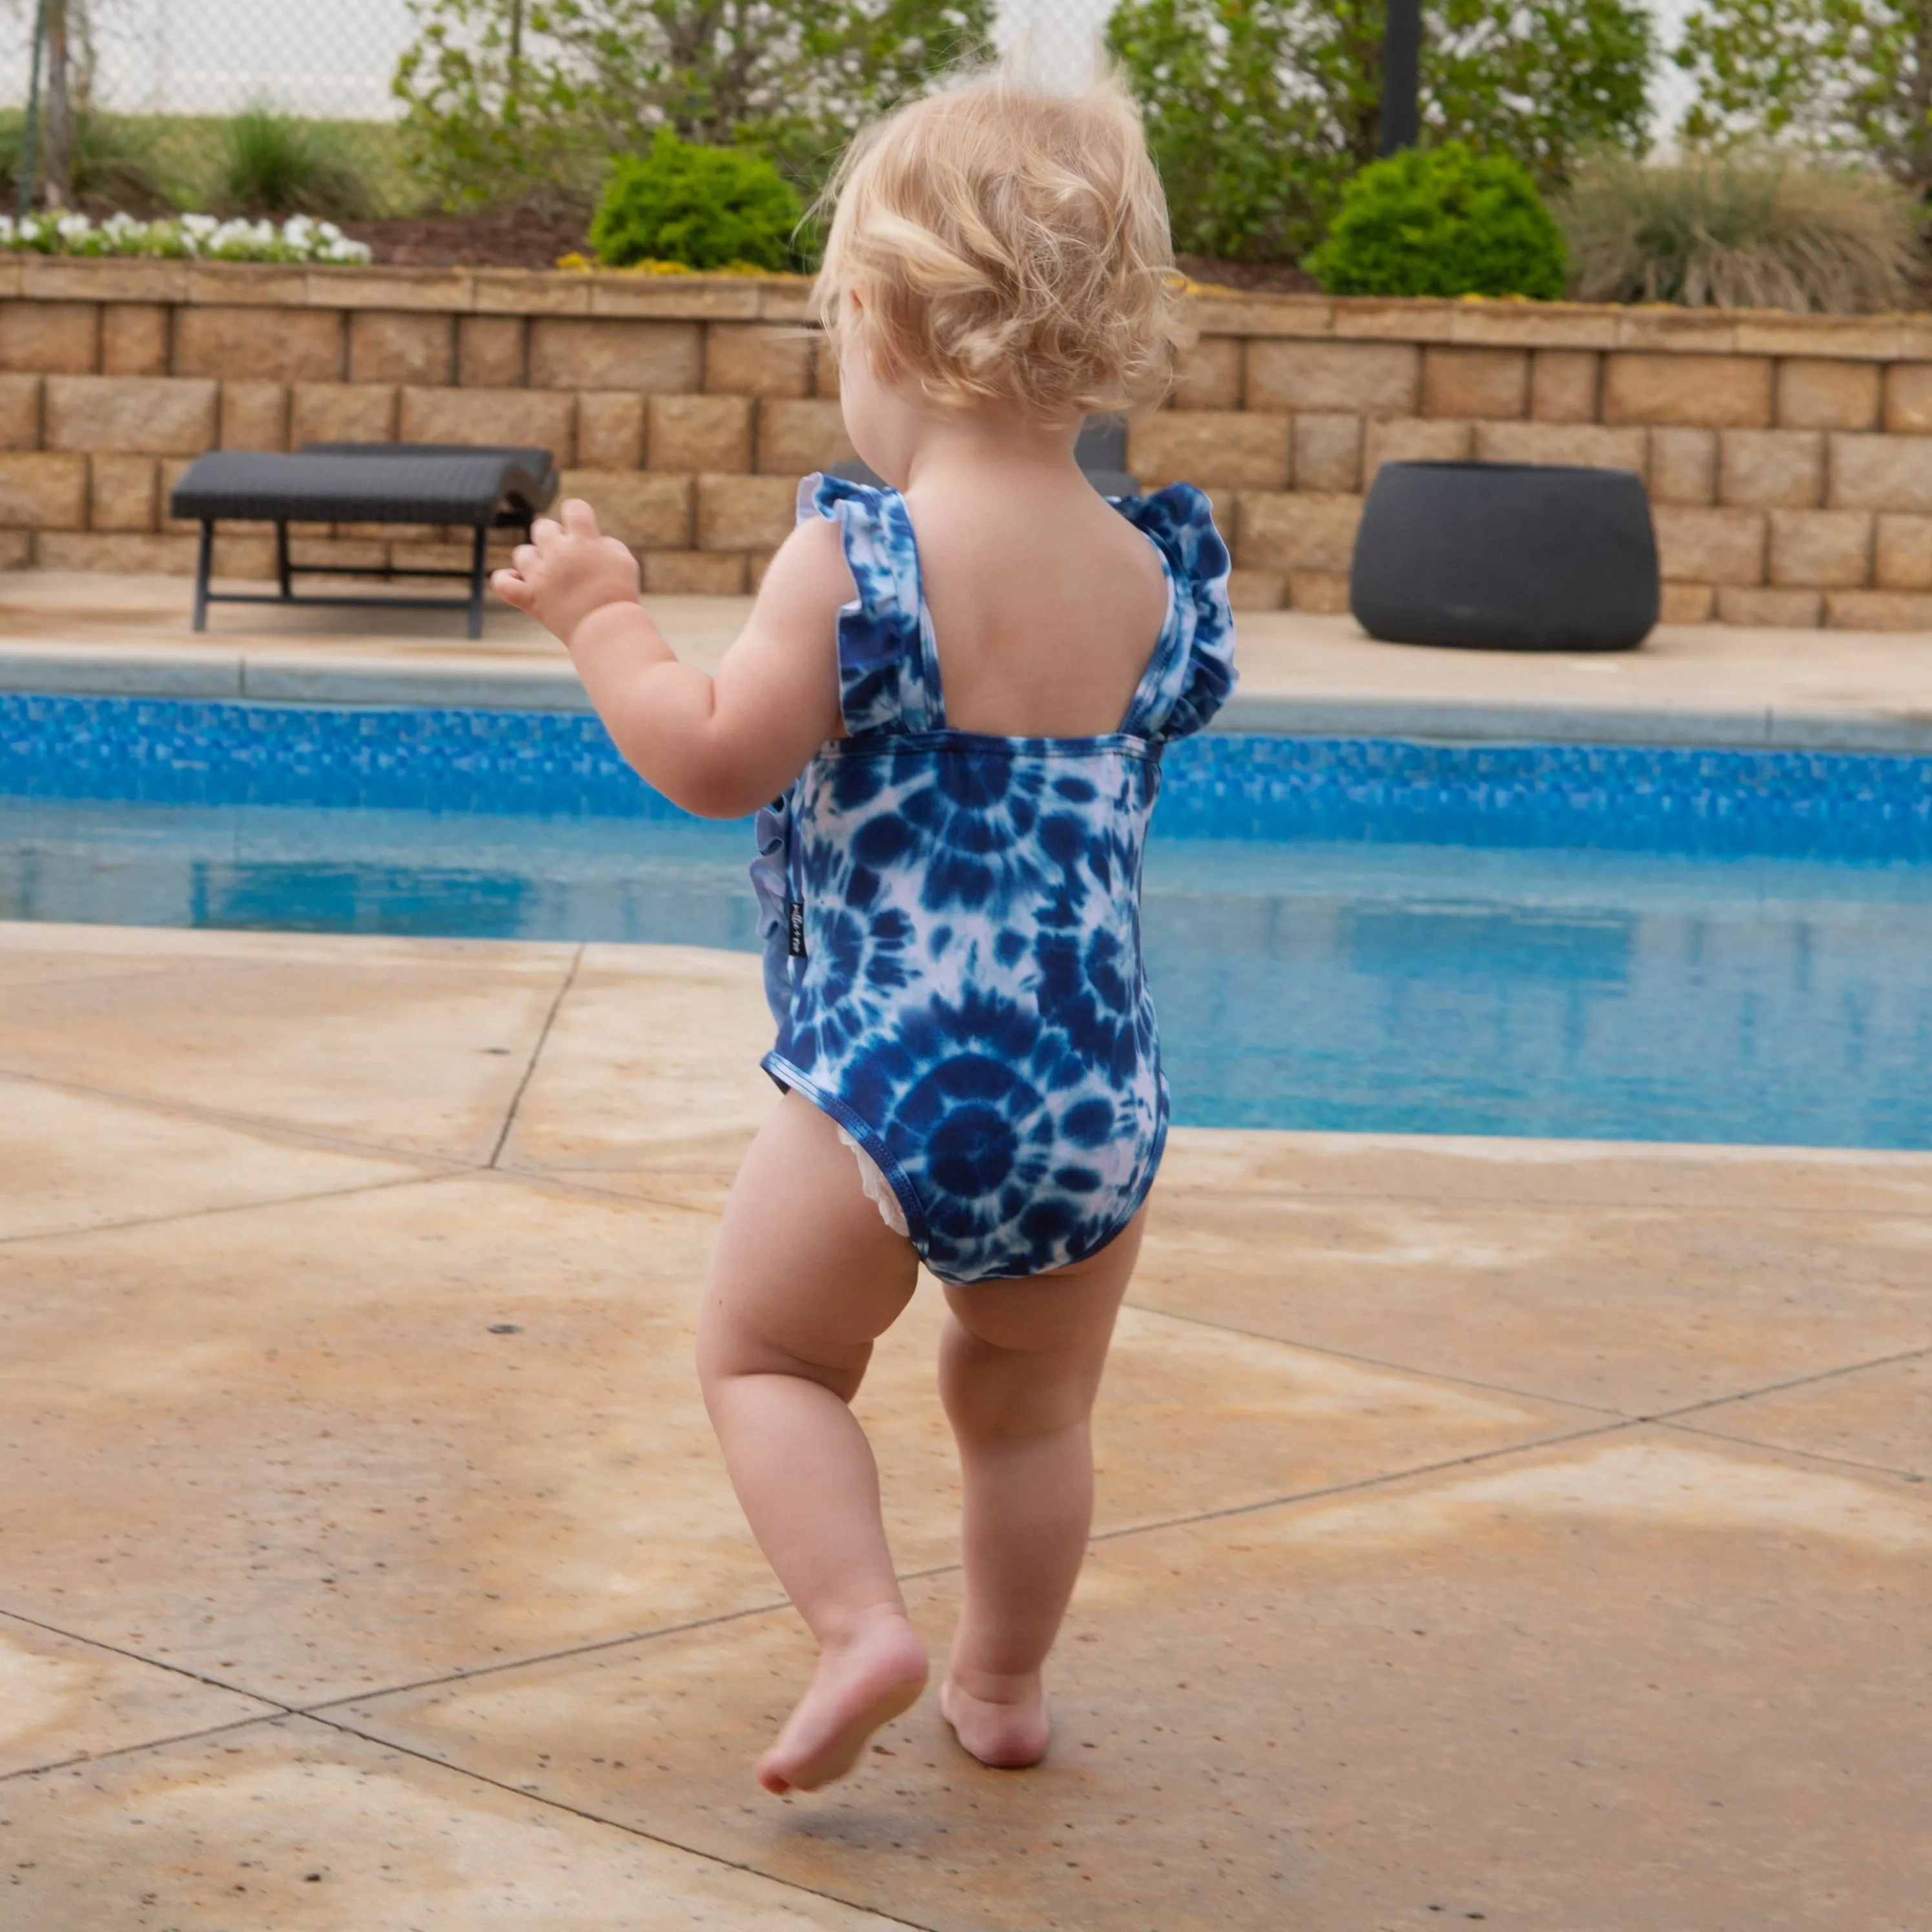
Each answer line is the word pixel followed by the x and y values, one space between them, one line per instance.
pixel 878 1189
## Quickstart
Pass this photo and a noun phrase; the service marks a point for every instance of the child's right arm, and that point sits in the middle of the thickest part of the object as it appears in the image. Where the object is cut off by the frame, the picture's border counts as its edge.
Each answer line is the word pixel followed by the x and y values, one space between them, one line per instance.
pixel 720 747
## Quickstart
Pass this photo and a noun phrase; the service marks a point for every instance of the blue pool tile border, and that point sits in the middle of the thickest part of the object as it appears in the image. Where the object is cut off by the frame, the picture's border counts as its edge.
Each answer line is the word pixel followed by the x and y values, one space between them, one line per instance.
pixel 1791 802
pixel 1662 798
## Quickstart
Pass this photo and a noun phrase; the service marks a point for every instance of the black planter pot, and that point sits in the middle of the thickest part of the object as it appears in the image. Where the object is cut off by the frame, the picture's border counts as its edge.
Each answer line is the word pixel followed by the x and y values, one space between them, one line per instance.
pixel 1506 556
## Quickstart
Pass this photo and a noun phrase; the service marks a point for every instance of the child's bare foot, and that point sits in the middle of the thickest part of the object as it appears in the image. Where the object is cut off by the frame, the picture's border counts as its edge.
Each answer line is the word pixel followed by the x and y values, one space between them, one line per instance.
pixel 1004 1723
pixel 859 1684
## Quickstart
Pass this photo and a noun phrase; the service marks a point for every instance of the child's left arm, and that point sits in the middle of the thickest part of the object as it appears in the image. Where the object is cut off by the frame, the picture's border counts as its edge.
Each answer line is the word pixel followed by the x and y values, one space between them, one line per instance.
pixel 720 747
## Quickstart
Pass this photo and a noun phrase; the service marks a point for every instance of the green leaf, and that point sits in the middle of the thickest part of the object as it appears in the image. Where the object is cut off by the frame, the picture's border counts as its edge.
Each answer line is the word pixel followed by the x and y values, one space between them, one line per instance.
pixel 793 80
pixel 1259 111
pixel 1850 78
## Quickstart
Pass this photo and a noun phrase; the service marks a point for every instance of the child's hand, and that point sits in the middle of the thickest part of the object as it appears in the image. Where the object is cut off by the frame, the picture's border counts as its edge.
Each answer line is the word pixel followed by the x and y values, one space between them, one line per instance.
pixel 568 570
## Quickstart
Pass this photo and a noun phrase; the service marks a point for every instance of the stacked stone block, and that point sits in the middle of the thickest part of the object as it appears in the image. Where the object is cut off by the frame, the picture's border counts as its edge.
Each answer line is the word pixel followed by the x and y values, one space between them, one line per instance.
pixel 1789 459
pixel 686 417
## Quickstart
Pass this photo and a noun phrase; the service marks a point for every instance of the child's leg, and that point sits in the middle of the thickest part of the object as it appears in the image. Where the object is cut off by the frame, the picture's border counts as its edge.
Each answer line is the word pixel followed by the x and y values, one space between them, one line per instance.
pixel 805 1276
pixel 1019 1367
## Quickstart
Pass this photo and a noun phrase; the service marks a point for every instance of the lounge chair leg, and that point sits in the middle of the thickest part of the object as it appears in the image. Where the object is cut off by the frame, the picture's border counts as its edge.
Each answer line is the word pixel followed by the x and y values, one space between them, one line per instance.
pixel 284 570
pixel 204 567
pixel 479 556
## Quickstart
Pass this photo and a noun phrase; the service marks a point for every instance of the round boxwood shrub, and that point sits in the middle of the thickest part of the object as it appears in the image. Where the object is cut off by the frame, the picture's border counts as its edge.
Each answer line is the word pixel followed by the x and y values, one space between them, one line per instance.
pixel 706 207
pixel 1442 221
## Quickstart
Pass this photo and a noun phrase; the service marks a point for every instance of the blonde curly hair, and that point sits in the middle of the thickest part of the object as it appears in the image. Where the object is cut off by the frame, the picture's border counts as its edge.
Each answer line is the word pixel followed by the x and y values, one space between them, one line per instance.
pixel 1007 245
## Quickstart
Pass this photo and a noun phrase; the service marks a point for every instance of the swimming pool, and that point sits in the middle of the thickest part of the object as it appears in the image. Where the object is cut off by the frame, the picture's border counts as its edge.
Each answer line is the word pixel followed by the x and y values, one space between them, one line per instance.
pixel 1344 934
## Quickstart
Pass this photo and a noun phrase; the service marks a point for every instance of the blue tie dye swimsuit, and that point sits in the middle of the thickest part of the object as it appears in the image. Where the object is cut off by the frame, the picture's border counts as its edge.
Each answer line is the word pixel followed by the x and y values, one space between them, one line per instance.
pixel 952 920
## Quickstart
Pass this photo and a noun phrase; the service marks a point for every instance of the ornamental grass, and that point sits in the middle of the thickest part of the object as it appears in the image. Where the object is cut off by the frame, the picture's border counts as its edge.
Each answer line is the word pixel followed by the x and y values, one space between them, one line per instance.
pixel 1741 230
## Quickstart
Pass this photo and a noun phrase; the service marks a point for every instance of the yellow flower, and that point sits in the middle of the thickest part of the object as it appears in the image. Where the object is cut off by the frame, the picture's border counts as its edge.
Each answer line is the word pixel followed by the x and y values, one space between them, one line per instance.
pixel 582 265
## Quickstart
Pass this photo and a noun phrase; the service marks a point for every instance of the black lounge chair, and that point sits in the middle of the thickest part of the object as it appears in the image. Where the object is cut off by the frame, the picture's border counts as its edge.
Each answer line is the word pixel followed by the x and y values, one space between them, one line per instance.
pixel 485 488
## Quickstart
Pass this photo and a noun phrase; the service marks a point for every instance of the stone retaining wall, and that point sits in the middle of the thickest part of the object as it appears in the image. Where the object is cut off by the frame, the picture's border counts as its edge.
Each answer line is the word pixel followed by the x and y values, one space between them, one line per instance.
pixel 1789 458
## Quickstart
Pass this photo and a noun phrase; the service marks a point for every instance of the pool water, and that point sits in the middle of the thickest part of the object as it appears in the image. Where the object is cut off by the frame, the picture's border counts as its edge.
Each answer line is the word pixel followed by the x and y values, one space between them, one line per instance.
pixel 1306 980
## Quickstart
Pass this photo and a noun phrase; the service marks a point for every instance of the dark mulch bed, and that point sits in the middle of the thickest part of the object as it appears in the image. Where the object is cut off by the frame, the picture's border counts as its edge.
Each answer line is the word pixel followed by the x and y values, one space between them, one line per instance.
pixel 517 238
pixel 1268 278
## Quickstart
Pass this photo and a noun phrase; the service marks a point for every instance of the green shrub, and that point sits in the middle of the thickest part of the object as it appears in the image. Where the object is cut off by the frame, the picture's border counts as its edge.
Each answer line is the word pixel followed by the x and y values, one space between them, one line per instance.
pixel 1442 221
pixel 706 207
pixel 1259 111
pixel 1742 231
pixel 274 164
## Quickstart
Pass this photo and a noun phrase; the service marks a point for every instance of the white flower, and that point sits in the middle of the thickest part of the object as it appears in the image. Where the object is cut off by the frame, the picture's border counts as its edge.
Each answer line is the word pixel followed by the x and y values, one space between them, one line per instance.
pixel 300 238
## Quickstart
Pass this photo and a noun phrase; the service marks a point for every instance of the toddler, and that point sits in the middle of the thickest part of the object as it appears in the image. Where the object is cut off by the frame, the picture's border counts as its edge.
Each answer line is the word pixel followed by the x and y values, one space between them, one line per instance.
pixel 957 689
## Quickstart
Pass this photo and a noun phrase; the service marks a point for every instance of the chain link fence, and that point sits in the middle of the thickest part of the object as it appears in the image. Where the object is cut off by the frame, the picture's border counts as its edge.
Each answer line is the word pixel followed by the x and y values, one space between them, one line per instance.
pixel 1055 42
pixel 336 60
pixel 218 56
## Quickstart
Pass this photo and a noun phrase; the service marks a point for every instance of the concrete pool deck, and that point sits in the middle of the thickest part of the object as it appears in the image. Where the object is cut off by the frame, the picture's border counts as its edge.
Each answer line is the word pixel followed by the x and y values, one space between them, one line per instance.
pixel 1703 684
pixel 1514 1531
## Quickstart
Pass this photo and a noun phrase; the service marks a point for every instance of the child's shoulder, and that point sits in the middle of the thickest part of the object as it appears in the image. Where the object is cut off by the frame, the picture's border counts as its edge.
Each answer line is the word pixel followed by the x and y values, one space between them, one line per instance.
pixel 1179 520
pixel 869 527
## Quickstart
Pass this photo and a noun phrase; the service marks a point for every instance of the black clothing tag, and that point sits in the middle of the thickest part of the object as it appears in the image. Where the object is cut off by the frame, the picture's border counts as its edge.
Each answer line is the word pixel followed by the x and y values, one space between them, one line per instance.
pixel 795 927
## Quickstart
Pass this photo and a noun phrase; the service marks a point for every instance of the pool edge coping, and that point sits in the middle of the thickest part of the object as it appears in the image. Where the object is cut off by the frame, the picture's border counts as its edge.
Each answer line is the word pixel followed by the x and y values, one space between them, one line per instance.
pixel 473 682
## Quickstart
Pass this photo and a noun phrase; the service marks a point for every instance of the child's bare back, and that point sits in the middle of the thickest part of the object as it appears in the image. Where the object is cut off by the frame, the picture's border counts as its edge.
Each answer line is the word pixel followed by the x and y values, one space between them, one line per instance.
pixel 957 688
pixel 1045 602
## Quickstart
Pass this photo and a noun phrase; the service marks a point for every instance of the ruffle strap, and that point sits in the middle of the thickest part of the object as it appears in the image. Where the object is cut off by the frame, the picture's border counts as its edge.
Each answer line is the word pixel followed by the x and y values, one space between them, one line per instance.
pixel 1193 672
pixel 888 673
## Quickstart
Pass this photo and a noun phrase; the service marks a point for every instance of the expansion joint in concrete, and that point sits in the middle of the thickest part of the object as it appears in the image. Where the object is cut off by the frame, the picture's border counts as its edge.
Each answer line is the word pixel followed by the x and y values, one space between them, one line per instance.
pixel 531 1794
pixel 536 1054
pixel 1789 1382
